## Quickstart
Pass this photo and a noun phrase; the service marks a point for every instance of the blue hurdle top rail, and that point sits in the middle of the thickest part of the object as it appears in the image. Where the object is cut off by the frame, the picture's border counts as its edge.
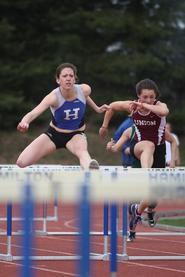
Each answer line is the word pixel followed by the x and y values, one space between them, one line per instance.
pixel 126 184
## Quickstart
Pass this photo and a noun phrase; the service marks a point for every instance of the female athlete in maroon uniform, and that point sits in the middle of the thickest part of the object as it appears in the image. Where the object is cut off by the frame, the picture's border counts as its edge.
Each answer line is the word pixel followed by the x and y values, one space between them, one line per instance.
pixel 149 116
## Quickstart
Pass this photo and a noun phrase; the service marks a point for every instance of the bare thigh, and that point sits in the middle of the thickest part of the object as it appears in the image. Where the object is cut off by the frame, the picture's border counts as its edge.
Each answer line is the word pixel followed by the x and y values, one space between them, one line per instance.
pixel 36 150
pixel 77 144
pixel 144 146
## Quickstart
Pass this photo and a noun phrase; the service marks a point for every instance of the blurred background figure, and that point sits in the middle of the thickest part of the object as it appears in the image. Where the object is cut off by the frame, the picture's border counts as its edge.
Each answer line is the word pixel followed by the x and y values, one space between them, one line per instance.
pixel 168 147
pixel 127 158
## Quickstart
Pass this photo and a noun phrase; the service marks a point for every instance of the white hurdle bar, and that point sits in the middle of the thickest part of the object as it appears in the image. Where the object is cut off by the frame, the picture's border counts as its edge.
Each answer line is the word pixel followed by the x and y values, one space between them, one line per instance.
pixel 163 184
pixel 111 186
pixel 43 168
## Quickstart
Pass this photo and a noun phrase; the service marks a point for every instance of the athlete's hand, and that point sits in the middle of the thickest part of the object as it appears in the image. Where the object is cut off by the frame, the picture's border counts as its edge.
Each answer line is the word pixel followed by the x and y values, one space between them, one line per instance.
pixel 103 131
pixel 135 106
pixel 110 144
pixel 22 127
pixel 103 108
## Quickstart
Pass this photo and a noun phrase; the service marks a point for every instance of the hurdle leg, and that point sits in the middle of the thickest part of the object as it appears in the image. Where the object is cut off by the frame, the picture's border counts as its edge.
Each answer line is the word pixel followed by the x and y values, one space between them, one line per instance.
pixel 113 263
pixel 124 230
pixel 9 228
pixel 8 256
pixel 105 230
pixel 27 211
pixel 85 227
pixel 55 208
pixel 45 217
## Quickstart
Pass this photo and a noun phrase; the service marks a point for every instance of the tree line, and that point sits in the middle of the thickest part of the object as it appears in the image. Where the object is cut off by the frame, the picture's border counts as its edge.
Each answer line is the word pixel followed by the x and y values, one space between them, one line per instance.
pixel 113 43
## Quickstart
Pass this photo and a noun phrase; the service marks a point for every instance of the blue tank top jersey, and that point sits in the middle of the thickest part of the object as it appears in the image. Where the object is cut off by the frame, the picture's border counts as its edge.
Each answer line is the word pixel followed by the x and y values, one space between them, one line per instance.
pixel 69 115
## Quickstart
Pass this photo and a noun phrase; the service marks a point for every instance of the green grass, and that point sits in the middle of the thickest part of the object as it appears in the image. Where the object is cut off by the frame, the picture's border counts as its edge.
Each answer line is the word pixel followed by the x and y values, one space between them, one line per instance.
pixel 178 222
pixel 12 144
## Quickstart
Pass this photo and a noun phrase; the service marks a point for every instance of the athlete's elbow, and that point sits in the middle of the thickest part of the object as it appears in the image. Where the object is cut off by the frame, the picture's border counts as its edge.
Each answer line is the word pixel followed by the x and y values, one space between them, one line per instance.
pixel 165 112
pixel 111 109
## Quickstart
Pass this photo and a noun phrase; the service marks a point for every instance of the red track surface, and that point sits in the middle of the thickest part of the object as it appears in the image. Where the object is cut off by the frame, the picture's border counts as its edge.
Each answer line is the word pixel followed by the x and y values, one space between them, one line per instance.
pixel 67 245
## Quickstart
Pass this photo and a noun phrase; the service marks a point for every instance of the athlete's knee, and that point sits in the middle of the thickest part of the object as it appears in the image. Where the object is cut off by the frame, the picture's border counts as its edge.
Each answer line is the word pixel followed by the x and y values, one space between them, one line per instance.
pixel 20 163
pixel 150 145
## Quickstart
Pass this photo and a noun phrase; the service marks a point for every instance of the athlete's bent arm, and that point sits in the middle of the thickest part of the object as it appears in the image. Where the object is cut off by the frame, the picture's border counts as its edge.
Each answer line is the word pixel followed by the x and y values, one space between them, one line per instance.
pixel 159 109
pixel 49 100
pixel 93 105
pixel 114 107
pixel 122 140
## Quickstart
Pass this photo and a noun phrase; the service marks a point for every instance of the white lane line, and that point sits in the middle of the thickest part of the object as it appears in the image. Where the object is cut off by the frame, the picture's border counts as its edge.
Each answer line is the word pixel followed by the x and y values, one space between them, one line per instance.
pixel 155 267
pixel 129 262
pixel 156 251
pixel 43 269
pixel 70 223
pixel 43 250
pixel 167 240
pixel 128 247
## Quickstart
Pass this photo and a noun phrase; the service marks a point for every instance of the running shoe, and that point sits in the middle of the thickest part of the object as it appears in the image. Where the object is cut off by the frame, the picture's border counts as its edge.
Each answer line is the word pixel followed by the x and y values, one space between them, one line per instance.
pixel 151 218
pixel 135 217
pixel 131 236
pixel 94 164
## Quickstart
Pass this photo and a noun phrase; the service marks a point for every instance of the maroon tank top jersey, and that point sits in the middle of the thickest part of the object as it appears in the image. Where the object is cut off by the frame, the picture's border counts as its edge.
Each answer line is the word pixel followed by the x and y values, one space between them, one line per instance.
pixel 149 127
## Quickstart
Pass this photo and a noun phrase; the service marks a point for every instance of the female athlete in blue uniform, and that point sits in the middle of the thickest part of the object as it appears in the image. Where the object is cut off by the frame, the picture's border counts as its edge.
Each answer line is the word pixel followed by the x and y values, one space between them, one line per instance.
pixel 67 103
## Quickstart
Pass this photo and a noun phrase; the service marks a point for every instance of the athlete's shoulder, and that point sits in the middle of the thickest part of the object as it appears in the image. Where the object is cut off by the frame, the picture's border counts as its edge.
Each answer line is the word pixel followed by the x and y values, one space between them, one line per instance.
pixel 52 97
pixel 86 89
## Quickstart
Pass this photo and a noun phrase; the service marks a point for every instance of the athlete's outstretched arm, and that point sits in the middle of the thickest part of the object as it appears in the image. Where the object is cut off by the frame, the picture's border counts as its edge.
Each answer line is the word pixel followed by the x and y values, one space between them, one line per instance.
pixel 49 100
pixel 114 107
pixel 93 105
pixel 160 108
pixel 87 92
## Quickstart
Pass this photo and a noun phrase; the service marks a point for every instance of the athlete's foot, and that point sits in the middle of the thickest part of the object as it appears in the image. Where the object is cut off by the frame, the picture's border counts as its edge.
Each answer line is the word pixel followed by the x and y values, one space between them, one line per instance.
pixel 151 217
pixel 131 236
pixel 135 217
pixel 94 165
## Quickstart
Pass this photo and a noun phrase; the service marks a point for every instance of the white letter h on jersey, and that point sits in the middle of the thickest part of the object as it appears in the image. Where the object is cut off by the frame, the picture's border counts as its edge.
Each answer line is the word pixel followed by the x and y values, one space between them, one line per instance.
pixel 71 115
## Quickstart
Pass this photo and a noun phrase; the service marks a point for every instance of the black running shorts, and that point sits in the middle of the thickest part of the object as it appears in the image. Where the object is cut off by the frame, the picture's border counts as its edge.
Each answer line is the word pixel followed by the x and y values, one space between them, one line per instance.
pixel 61 139
pixel 159 155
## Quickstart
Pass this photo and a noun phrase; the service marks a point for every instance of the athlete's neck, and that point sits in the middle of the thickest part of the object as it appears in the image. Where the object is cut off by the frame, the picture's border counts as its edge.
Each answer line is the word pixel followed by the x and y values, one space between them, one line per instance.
pixel 68 94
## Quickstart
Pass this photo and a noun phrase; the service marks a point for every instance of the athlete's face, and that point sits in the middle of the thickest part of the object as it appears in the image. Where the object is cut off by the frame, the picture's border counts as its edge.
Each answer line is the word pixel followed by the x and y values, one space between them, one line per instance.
pixel 66 78
pixel 147 96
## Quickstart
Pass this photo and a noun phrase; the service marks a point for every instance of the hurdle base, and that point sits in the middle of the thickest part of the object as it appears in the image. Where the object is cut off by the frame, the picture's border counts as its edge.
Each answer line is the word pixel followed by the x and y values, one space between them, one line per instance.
pixel 123 257
pixel 6 257
pixel 106 257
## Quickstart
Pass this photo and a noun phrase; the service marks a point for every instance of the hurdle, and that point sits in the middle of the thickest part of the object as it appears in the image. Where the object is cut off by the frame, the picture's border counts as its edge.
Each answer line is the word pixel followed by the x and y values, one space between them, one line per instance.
pixel 153 183
pixel 45 218
pixel 12 170
pixel 42 168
